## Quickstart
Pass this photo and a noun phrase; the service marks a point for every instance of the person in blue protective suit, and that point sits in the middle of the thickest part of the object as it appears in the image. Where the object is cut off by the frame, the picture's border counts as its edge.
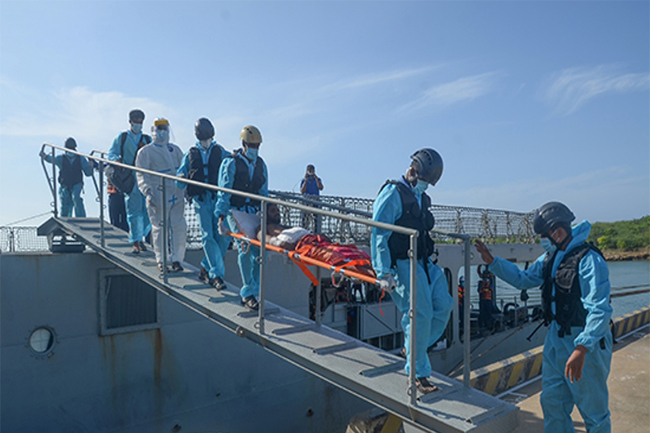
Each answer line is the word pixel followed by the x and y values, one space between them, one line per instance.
pixel 575 300
pixel 244 171
pixel 124 149
pixel 201 163
pixel 163 157
pixel 404 203
pixel 72 168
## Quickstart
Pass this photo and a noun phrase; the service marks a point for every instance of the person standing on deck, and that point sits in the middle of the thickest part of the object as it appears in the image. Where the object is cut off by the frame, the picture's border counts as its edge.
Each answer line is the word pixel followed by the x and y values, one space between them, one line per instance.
pixel 244 171
pixel 201 163
pixel 72 168
pixel 404 203
pixel 124 149
pixel 577 356
pixel 163 157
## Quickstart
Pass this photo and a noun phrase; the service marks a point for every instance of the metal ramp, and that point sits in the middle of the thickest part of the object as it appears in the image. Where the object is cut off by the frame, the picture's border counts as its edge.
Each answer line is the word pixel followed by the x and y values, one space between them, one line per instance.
pixel 363 370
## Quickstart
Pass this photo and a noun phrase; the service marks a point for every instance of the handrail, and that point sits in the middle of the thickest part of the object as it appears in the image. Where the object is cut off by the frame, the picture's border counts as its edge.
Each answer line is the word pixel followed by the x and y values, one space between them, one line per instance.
pixel 413 234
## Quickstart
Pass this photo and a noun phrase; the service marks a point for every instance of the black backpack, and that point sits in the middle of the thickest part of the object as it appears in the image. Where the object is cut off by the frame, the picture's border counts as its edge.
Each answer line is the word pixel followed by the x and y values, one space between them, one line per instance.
pixel 123 178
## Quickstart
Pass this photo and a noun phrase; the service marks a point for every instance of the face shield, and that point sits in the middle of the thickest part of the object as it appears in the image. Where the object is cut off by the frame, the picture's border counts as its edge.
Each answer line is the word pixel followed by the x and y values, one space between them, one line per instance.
pixel 161 131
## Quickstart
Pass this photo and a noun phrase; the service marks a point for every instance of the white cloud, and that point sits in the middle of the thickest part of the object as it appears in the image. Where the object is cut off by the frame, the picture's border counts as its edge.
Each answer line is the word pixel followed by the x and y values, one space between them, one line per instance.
pixel 91 117
pixel 572 88
pixel 375 79
pixel 461 90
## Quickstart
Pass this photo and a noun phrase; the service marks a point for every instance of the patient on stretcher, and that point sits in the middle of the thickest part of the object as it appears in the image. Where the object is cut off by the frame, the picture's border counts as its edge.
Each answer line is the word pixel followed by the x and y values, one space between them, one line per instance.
pixel 301 241
pixel 278 234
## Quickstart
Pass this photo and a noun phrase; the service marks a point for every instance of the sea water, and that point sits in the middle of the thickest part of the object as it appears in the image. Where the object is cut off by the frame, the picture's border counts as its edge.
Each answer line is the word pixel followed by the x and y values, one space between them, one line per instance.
pixel 623 276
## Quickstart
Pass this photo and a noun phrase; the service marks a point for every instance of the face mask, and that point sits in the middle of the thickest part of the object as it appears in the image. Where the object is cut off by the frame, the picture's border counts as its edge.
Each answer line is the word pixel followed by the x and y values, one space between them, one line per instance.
pixel 162 135
pixel 136 128
pixel 548 245
pixel 251 154
pixel 420 187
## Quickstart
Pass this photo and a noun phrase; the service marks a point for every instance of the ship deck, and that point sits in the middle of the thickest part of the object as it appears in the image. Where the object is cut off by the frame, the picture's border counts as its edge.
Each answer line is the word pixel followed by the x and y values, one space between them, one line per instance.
pixel 361 369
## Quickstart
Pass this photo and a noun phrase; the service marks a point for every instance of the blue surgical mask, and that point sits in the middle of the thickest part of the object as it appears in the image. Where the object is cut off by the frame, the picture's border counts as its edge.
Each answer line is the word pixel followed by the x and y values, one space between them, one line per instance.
pixel 136 128
pixel 162 135
pixel 420 187
pixel 548 245
pixel 251 154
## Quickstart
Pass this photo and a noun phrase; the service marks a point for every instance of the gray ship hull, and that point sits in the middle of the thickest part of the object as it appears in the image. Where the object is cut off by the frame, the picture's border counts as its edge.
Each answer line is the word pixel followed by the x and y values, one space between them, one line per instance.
pixel 182 373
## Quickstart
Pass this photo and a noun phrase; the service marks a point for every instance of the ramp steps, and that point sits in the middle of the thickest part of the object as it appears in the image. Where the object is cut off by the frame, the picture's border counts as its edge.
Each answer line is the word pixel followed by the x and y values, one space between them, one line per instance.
pixel 363 370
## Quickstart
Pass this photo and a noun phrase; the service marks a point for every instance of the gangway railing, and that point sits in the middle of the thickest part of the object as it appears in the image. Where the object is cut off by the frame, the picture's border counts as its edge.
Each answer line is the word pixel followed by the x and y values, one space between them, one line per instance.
pixel 264 201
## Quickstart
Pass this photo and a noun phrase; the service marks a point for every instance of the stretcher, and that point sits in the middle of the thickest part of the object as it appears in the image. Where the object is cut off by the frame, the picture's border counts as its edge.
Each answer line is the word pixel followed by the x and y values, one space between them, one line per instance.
pixel 248 224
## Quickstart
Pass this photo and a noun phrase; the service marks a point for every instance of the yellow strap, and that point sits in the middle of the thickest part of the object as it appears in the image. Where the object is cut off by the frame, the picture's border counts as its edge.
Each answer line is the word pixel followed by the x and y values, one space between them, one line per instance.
pixel 392 425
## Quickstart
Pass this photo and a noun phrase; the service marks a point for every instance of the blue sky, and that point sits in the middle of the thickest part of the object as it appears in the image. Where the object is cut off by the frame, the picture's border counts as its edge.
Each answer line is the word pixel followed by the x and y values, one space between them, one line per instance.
pixel 526 102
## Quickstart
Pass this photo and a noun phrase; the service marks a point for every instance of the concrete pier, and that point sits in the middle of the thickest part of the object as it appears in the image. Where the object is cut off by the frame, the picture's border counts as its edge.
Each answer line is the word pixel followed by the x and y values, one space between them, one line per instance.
pixel 629 390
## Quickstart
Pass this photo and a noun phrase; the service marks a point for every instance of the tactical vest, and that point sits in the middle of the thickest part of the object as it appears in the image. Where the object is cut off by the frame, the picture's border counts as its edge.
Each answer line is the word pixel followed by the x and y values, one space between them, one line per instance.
pixel 244 183
pixel 70 173
pixel 197 169
pixel 414 217
pixel 569 310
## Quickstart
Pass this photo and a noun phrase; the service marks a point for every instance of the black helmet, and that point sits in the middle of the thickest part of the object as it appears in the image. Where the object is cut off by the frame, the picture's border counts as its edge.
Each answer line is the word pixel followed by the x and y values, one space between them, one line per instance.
pixel 70 143
pixel 203 129
pixel 136 115
pixel 429 165
pixel 551 215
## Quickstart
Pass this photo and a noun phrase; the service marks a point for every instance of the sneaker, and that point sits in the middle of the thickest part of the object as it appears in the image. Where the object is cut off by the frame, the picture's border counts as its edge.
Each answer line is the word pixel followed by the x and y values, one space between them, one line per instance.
pixel 161 268
pixel 142 246
pixel 251 303
pixel 217 283
pixel 203 276
pixel 424 386
pixel 176 267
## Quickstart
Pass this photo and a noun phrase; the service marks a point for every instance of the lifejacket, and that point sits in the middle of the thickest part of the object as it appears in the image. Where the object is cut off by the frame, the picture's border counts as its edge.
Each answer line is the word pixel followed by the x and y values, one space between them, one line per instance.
pixel 461 293
pixel 244 183
pixel 70 173
pixel 569 310
pixel 485 291
pixel 197 169
pixel 414 217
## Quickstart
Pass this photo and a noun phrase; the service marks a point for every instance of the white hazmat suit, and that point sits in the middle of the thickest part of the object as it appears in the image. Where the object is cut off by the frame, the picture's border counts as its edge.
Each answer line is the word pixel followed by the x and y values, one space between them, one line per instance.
pixel 163 157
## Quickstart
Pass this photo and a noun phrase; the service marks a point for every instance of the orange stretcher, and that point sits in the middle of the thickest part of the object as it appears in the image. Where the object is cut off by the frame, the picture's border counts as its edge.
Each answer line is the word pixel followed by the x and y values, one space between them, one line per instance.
pixel 302 260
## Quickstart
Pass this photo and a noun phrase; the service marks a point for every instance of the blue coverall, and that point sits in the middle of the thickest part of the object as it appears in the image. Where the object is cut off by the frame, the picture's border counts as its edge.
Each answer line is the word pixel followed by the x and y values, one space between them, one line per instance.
pixel 247 258
pixel 71 197
pixel 590 393
pixel 214 245
pixel 434 303
pixel 136 210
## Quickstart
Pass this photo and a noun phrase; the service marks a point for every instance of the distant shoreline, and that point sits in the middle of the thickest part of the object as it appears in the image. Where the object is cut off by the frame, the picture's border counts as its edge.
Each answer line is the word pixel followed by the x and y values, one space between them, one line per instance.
pixel 620 256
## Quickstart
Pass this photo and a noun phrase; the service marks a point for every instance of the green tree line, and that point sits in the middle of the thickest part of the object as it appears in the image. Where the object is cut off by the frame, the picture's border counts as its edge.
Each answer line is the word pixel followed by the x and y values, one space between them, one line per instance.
pixel 622 235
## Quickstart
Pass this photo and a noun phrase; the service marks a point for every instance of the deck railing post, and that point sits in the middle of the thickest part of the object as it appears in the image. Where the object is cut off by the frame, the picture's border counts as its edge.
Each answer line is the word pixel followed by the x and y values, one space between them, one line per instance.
pixel 165 232
pixel 262 260
pixel 466 315
pixel 101 204
pixel 413 257
pixel 56 204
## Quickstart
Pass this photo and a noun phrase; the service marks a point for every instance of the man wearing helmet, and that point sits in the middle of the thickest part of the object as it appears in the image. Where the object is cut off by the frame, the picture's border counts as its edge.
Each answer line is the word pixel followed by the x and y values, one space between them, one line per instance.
pixel 244 171
pixel 124 149
pixel 163 157
pixel 575 300
pixel 404 202
pixel 71 168
pixel 201 164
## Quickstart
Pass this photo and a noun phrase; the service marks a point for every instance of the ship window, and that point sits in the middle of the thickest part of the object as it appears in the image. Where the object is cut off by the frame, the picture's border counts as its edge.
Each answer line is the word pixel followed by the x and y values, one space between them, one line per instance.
pixel 127 303
pixel 41 340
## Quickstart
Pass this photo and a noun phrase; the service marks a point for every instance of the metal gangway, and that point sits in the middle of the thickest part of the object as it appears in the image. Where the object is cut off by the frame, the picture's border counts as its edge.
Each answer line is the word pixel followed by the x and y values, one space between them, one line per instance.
pixel 350 364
